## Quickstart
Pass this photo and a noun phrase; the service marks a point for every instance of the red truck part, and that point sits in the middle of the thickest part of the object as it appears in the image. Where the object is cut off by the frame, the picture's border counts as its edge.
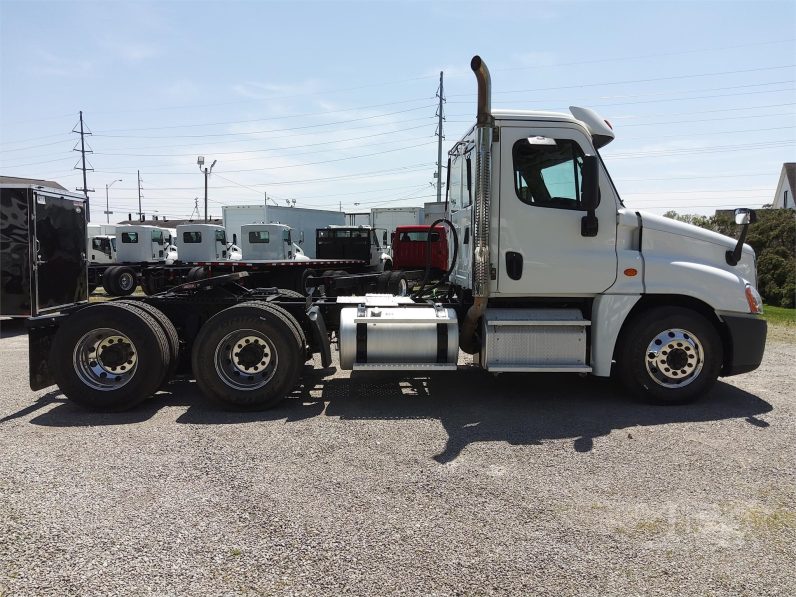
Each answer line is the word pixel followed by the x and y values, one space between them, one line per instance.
pixel 409 247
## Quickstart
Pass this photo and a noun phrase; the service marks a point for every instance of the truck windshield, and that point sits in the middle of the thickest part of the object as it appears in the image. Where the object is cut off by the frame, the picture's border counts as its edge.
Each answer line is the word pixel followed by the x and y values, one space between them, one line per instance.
pixel 410 237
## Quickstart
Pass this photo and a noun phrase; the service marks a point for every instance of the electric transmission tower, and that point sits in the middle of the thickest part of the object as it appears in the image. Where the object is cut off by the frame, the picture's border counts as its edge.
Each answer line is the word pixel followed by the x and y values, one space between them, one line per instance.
pixel 439 133
pixel 140 211
pixel 195 209
pixel 80 128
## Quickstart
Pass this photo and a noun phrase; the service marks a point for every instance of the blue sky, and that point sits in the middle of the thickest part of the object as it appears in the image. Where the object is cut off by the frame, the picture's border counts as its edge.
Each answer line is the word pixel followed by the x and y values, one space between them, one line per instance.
pixel 332 103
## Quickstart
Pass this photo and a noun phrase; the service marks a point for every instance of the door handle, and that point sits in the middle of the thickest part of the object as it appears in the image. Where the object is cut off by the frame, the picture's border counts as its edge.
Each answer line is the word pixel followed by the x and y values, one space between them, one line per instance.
pixel 466 240
pixel 514 265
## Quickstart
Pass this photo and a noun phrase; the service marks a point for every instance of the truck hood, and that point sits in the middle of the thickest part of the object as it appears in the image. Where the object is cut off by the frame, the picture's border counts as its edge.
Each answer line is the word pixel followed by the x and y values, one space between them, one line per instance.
pixel 670 239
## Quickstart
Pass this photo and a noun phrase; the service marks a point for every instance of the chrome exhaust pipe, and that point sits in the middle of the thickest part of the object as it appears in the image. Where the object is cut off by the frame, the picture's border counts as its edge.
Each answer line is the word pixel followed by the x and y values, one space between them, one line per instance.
pixel 485 125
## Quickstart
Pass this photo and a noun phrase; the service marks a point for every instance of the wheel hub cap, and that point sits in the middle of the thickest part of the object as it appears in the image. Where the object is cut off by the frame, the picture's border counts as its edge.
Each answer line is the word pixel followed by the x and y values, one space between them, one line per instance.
pixel 674 358
pixel 105 359
pixel 245 360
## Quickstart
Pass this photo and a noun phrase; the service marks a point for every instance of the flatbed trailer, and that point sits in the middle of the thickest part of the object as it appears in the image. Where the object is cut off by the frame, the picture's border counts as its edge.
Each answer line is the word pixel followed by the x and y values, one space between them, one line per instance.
pixel 121 279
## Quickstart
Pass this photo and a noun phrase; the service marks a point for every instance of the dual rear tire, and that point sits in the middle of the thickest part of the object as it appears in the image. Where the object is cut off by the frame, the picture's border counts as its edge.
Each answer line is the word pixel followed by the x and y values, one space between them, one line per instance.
pixel 112 356
pixel 119 280
pixel 249 356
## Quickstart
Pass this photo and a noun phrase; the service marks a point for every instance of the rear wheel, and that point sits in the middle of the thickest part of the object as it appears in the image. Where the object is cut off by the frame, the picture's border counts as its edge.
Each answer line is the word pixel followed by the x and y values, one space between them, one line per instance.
pixel 124 281
pixel 398 285
pixel 247 356
pixel 172 338
pixel 669 355
pixel 383 282
pixel 108 279
pixel 109 356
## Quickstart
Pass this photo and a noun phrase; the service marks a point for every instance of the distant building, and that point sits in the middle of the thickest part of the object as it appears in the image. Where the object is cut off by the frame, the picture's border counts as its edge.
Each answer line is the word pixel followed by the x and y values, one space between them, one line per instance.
pixel 30 181
pixel 787 184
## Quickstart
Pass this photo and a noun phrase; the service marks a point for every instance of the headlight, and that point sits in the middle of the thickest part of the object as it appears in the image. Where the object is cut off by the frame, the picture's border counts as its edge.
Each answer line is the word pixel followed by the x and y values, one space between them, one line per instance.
pixel 754 299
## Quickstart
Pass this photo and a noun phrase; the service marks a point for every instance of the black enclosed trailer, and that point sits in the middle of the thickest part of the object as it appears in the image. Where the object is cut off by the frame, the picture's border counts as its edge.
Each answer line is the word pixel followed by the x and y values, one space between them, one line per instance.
pixel 42 250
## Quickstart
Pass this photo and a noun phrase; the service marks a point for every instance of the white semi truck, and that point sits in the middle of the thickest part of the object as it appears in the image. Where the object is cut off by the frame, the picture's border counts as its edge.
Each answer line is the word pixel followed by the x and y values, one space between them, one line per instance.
pixel 270 242
pixel 549 272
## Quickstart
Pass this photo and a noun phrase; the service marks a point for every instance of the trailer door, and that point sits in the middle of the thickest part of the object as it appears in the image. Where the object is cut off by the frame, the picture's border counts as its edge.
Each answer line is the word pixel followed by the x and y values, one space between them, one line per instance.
pixel 59 250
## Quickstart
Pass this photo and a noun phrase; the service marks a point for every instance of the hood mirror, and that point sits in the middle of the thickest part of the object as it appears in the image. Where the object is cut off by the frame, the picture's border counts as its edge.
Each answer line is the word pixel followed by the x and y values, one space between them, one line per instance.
pixel 743 217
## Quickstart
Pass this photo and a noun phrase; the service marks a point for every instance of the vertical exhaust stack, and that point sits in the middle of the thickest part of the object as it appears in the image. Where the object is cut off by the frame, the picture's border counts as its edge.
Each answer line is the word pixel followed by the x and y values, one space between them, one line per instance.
pixel 485 125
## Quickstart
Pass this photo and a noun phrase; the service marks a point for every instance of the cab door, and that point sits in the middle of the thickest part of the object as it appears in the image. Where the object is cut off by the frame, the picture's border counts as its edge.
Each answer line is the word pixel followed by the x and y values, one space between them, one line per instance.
pixel 541 249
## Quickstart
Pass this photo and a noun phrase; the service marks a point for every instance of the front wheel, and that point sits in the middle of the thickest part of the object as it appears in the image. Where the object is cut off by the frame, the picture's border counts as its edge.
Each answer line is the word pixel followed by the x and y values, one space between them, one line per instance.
pixel 669 355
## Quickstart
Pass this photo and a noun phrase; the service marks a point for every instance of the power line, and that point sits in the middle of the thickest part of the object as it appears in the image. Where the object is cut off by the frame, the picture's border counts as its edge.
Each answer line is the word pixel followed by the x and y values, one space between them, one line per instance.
pixel 633 81
pixel 269 118
pixel 296 128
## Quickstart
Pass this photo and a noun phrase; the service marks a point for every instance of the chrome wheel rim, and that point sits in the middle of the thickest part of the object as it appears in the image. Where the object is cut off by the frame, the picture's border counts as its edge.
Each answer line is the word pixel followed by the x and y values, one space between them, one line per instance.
pixel 245 360
pixel 105 359
pixel 403 287
pixel 126 281
pixel 674 358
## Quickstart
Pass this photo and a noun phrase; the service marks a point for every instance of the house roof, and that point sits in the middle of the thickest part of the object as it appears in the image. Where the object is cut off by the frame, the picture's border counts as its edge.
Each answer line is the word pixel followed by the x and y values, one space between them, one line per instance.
pixel 789 168
pixel 36 182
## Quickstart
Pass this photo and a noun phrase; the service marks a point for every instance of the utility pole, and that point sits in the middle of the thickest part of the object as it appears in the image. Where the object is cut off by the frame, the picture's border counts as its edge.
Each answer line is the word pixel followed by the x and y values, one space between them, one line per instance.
pixel 440 116
pixel 140 212
pixel 83 151
pixel 108 211
pixel 265 207
pixel 201 162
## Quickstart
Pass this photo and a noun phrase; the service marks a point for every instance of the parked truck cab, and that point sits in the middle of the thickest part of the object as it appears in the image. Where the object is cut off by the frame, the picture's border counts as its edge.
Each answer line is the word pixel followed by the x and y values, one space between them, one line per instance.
pixel 354 242
pixel 269 242
pixel 102 249
pixel 204 242
pixel 138 243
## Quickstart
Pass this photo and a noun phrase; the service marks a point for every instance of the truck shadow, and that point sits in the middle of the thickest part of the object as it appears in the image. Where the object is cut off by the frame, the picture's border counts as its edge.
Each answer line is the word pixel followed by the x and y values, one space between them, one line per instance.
pixel 521 409
pixel 472 406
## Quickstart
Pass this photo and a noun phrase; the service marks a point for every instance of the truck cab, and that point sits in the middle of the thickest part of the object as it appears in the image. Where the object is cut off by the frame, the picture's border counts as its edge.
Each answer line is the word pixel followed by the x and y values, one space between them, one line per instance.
pixel 269 242
pixel 140 243
pixel 204 242
pixel 102 249
pixel 354 242
pixel 410 243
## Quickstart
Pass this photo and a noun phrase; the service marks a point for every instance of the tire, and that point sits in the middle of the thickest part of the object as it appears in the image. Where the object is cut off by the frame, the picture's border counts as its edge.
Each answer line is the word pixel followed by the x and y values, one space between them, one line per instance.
pixel 287 293
pixel 107 280
pixel 152 284
pixel 669 355
pixel 298 332
pixel 196 273
pixel 172 338
pixel 398 285
pixel 383 282
pixel 262 376
pixel 93 335
pixel 124 281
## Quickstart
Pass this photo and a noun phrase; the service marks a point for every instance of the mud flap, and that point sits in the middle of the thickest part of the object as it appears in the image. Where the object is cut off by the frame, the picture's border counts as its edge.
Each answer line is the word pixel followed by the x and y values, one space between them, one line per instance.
pixel 320 335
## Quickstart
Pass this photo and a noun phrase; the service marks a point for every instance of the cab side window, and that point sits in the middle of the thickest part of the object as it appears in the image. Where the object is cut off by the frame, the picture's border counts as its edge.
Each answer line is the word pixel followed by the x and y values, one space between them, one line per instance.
pixel 547 172
pixel 221 236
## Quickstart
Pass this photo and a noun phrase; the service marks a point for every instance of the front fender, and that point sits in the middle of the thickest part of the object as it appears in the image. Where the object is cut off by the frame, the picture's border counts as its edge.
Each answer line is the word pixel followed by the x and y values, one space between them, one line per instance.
pixel 722 290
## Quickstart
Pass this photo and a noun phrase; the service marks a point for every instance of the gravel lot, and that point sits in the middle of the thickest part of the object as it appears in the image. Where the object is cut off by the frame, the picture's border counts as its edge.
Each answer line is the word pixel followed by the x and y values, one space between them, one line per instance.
pixel 455 483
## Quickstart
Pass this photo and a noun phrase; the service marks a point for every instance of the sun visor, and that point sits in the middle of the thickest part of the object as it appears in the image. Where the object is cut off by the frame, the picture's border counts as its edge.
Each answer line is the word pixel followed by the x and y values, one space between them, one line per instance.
pixel 600 129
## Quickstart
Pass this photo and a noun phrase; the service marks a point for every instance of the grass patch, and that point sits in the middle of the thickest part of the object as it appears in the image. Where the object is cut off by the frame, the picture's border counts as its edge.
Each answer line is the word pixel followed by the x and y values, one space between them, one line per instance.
pixel 780 316
pixel 778 519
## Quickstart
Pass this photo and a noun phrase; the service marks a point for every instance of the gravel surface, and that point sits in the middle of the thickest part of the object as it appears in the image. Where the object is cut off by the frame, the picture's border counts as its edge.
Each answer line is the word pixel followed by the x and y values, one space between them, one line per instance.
pixel 452 483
